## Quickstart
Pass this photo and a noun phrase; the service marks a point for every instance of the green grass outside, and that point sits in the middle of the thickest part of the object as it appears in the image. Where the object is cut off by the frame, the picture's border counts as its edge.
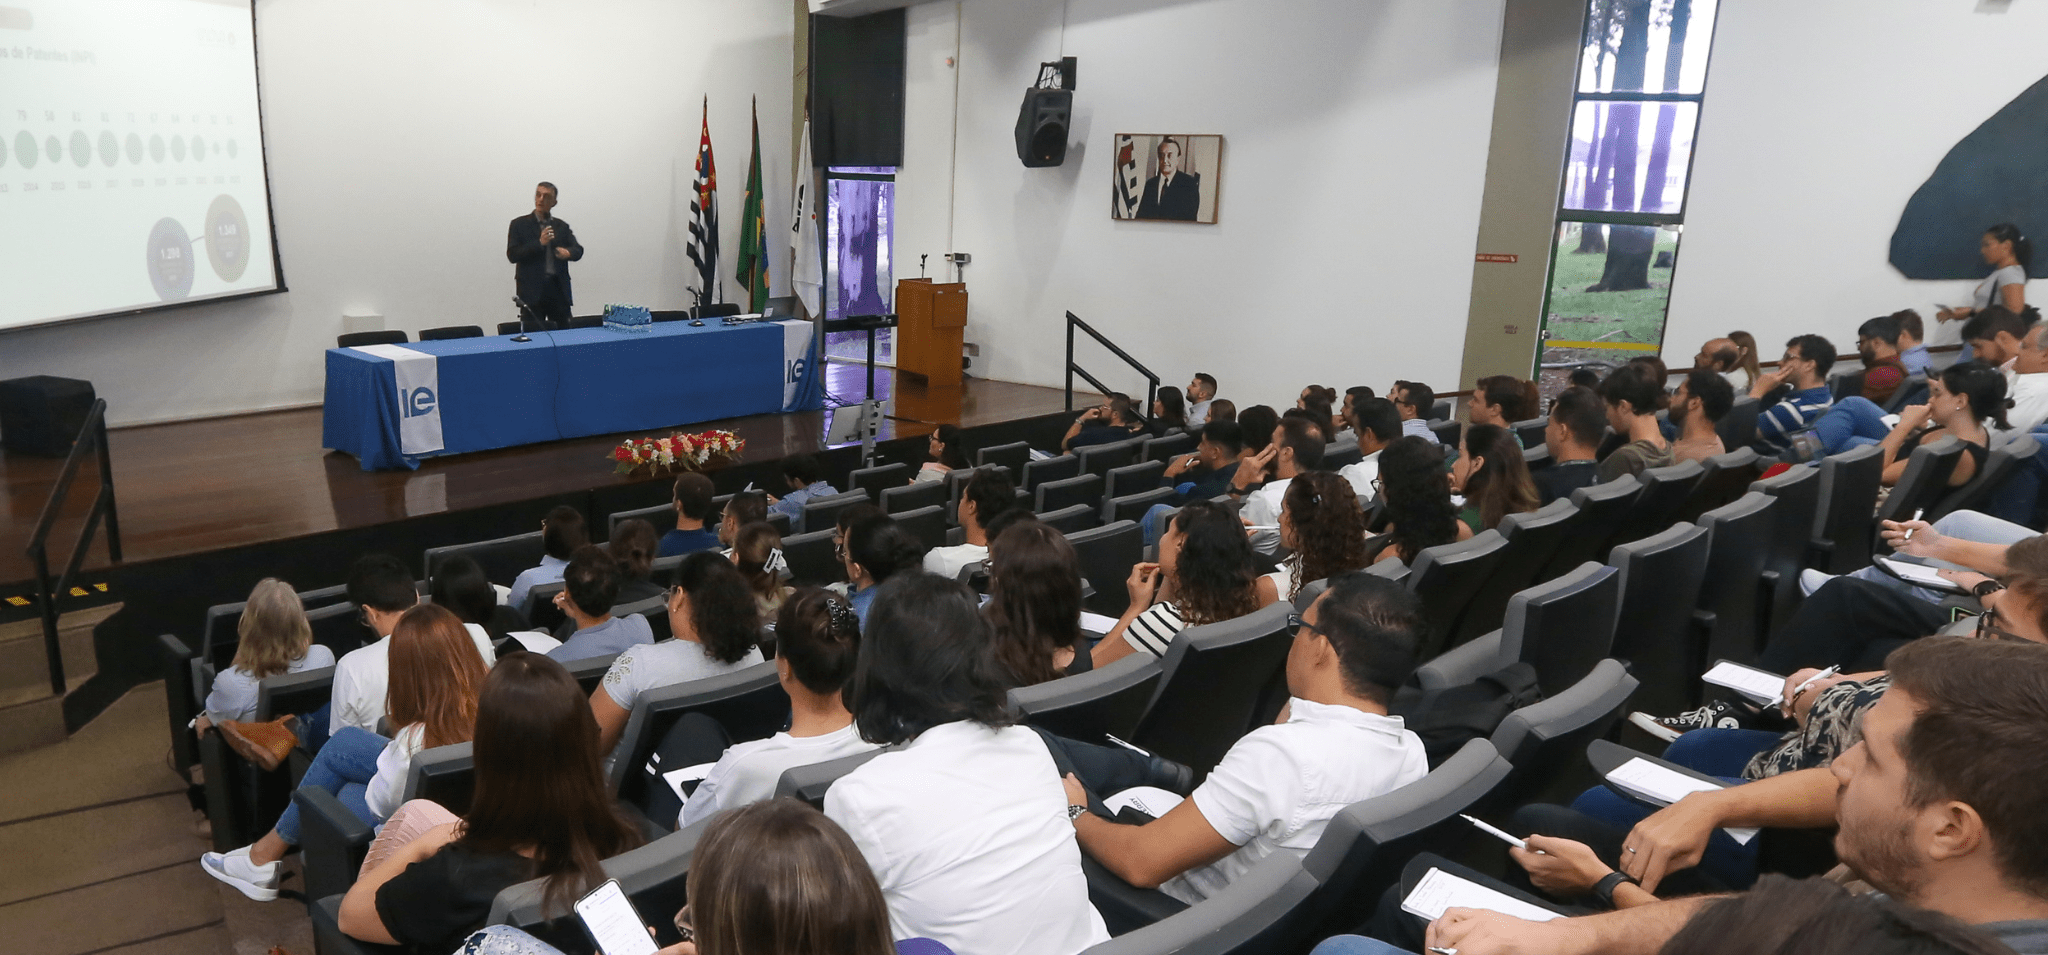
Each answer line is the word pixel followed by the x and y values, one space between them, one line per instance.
pixel 1578 315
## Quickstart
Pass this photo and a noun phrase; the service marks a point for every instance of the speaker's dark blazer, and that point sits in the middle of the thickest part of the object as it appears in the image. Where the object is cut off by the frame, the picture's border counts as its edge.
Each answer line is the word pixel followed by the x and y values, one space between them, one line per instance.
pixel 529 258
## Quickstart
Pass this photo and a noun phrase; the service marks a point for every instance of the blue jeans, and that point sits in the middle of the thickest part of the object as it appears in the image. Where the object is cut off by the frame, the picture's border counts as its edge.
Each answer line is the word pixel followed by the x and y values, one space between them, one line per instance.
pixel 1853 422
pixel 344 767
pixel 1356 945
pixel 1717 753
pixel 1153 523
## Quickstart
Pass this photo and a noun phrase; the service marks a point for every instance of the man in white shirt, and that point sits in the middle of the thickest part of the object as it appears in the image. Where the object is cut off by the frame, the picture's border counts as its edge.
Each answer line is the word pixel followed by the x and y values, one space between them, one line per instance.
pixel 1297 446
pixel 1278 787
pixel 2029 391
pixel 562 531
pixel 1374 423
pixel 1415 401
pixel 1201 391
pixel 987 494
pixel 384 588
pixel 815 650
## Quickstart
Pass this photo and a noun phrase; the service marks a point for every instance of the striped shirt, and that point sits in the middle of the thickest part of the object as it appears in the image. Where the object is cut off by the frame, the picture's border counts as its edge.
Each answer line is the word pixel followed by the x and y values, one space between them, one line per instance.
pixel 1151 631
pixel 1795 413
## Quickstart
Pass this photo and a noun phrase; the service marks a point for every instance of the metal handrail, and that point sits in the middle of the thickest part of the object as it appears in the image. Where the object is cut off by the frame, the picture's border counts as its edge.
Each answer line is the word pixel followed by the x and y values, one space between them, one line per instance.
pixel 91 437
pixel 1143 412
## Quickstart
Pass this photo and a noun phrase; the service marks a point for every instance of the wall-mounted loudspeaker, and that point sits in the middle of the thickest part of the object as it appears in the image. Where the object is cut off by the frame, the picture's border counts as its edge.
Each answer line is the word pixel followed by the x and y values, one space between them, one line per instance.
pixel 1042 126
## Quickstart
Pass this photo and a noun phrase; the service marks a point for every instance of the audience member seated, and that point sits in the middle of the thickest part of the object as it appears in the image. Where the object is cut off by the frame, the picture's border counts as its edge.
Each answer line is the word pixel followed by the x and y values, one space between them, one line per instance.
pixel 1993 336
pixel 817 638
pixel 715 623
pixel 1201 476
pixel 633 547
pixel 987 494
pixel 1578 421
pixel 1034 604
pixel 943 453
pixel 1632 395
pixel 1297 445
pixel 1502 400
pixel 384 589
pixel 877 548
pixel 1169 412
pixel 1220 409
pixel 1201 395
pixel 1966 538
pixel 1415 501
pixel 1912 346
pixel 757 552
pixel 1414 401
pixel 693 493
pixel 1352 397
pixel 1111 421
pixel 1799 388
pixel 1877 343
pixel 273 639
pixel 1323 528
pixel 1583 377
pixel 2028 387
pixel 1492 477
pixel 1317 401
pixel 1936 805
pixel 806 480
pixel 435 676
pixel 590 591
pixel 1966 400
pixel 1278 787
pixel 562 531
pixel 964 822
pixel 540 811
pixel 462 588
pixel 741 509
pixel 1697 407
pixel 1723 357
pixel 1255 428
pixel 1374 424
pixel 1204 575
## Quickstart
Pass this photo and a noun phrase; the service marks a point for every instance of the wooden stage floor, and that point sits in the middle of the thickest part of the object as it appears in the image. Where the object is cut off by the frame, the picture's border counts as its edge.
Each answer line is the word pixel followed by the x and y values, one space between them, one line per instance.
pixel 197 486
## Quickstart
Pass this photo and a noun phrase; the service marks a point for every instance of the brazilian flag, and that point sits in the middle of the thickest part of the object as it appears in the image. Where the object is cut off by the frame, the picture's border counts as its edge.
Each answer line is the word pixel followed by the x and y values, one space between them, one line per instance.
pixel 753 270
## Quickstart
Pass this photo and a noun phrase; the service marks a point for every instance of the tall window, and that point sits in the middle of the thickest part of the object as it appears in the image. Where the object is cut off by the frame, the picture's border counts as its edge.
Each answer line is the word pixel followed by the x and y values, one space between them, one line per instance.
pixel 1621 208
pixel 860 204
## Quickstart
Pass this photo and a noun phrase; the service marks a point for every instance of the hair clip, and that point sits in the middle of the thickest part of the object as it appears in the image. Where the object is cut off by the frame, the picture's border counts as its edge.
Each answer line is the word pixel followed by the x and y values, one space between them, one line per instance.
pixel 775 564
pixel 842 615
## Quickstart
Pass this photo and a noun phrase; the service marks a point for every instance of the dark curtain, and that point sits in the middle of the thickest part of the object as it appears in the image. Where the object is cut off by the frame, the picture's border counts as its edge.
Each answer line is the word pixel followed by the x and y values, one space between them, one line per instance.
pixel 857 89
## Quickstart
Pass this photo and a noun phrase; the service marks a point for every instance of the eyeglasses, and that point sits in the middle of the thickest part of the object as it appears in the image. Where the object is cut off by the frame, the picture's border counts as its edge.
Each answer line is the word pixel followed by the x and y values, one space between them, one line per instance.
pixel 683 926
pixel 1987 630
pixel 1296 621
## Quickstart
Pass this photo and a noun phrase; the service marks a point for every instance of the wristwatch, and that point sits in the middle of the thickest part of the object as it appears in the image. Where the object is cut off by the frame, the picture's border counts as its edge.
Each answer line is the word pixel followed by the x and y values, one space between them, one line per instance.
pixel 1986 587
pixel 1604 889
pixel 1076 812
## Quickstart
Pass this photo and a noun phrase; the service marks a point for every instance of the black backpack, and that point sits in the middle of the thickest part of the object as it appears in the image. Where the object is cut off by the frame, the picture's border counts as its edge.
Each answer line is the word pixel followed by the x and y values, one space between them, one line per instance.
pixel 1449 717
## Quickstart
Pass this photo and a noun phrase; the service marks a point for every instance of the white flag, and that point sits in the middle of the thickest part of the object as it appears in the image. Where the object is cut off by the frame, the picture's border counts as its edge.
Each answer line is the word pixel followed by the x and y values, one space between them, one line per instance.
pixel 806 268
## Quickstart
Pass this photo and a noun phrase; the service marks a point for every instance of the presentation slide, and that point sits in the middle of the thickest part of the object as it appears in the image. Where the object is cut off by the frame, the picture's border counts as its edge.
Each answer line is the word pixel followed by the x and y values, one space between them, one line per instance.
pixel 131 157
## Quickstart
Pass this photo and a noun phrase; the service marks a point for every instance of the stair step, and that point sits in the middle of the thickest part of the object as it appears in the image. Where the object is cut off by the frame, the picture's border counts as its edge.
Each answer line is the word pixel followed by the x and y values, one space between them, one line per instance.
pixel 24 674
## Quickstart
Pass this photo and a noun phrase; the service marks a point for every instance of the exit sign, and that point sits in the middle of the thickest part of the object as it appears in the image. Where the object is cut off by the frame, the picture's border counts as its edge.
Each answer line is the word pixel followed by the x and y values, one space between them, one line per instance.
pixel 1506 257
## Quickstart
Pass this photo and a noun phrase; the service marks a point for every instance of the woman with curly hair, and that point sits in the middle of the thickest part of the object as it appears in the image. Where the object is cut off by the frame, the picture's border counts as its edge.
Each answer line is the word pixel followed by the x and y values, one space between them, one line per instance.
pixel 1493 478
pixel 1321 522
pixel 1204 575
pixel 1415 495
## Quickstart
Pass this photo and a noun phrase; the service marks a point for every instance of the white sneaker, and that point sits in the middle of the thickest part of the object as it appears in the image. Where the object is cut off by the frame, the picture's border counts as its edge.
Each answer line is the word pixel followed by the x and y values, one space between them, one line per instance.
pixel 258 882
pixel 1811 580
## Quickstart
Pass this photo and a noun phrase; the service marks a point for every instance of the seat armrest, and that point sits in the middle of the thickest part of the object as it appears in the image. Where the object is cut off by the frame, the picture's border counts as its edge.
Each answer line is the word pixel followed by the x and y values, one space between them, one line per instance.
pixel 1125 907
pixel 329 939
pixel 1463 663
pixel 334 840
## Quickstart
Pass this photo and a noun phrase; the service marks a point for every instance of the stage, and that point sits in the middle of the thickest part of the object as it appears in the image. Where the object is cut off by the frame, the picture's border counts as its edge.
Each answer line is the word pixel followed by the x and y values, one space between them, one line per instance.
pixel 200 486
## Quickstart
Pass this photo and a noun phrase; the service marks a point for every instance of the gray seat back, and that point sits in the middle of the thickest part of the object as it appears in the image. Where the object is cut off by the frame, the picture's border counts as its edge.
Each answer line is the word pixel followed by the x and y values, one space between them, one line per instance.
pixel 1085 706
pixel 501 558
pixel 1843 534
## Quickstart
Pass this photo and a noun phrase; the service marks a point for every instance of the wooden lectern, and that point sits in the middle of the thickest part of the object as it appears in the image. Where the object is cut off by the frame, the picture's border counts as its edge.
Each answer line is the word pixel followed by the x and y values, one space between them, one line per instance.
pixel 930 321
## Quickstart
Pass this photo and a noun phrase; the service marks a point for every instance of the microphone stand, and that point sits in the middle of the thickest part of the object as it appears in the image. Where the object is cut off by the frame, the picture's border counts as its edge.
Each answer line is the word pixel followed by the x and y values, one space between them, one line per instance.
pixel 528 317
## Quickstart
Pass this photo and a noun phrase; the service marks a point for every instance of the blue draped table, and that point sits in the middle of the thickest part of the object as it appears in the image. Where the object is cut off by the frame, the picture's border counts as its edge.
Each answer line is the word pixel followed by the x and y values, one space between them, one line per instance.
pixel 498 393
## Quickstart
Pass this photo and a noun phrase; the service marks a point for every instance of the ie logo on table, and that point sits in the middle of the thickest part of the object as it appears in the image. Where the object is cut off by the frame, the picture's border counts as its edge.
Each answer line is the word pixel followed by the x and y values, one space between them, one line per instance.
pixel 416 403
pixel 796 370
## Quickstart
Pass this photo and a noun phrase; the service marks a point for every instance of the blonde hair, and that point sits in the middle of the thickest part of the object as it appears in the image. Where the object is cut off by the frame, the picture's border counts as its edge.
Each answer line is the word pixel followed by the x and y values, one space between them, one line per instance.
pixel 273 631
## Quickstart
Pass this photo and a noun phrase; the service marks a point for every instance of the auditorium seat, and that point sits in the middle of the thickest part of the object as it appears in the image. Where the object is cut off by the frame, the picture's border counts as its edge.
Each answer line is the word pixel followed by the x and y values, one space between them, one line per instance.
pixel 1660 502
pixel 1725 478
pixel 1084 489
pixel 1447 432
pixel 956 484
pixel 389 336
pixel 1013 456
pixel 927 524
pixel 1533 539
pixel 822 513
pixel 1660 585
pixel 1797 491
pixel 911 497
pixel 502 558
pixel 1213 679
pixel 662 516
pixel 1106 555
pixel 1067 520
pixel 1912 391
pixel 1441 410
pixel 1530 432
pixel 1536 458
pixel 1737 428
pixel 1100 459
pixel 1084 707
pixel 880 478
pixel 1446 578
pixel 1132 507
pixel 447 332
pixel 1133 478
pixel 1740 540
pixel 1925 480
pixel 1999 465
pixel 812 559
pixel 541 612
pixel 1543 740
pixel 590 671
pixel 242 801
pixel 1045 470
pixel 1341 455
pixel 1286 903
pixel 1163 448
pixel 333 839
pixel 1843 532
pixel 1562 628
pixel 748 704
pixel 809 783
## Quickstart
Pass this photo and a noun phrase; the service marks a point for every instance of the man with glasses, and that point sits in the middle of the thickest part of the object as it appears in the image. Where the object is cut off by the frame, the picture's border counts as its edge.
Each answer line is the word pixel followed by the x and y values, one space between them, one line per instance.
pixel 1278 787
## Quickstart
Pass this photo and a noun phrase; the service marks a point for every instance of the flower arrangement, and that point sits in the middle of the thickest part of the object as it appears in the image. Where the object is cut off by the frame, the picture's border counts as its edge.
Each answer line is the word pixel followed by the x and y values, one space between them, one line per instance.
pixel 677 452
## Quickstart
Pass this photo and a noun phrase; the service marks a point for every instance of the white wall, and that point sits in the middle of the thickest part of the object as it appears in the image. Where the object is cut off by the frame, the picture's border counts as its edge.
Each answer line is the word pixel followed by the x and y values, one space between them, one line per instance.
pixel 1822 117
pixel 403 136
pixel 1355 138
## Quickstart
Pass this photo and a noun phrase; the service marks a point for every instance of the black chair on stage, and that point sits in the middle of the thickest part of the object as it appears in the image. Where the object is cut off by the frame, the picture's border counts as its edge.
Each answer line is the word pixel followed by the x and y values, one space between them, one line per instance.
pixel 717 311
pixel 587 321
pixel 1012 456
pixel 508 328
pixel 1660 585
pixel 389 336
pixel 670 315
pixel 812 558
pixel 447 332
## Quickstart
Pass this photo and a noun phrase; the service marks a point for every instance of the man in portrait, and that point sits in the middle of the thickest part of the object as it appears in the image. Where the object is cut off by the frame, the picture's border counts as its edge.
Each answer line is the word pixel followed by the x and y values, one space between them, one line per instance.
pixel 1173 194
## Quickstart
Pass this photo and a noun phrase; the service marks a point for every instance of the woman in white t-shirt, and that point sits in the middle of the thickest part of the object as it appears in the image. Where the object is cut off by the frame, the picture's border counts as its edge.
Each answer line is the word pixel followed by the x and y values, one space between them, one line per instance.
pixel 817 639
pixel 1204 575
pixel 2009 253
pixel 716 623
pixel 275 639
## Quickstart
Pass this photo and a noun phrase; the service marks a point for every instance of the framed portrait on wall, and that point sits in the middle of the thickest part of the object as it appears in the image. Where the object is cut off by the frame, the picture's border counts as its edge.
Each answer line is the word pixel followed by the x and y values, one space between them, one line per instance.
pixel 1171 176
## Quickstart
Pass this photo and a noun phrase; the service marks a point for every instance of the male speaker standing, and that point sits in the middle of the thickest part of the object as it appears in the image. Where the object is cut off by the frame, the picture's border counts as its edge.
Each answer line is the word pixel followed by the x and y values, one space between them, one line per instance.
pixel 1172 194
pixel 540 248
